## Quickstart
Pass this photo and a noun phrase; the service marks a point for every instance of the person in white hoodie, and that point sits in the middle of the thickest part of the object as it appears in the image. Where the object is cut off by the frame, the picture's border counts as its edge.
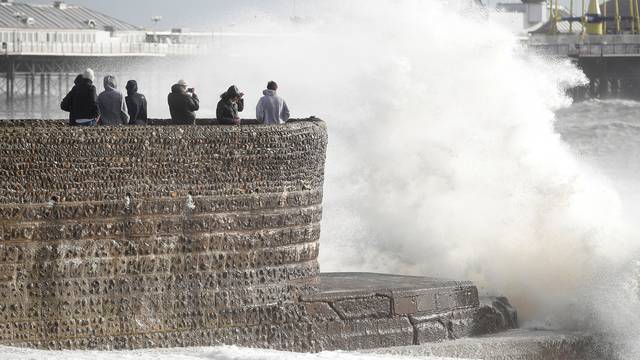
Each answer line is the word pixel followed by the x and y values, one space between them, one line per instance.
pixel 112 104
pixel 272 109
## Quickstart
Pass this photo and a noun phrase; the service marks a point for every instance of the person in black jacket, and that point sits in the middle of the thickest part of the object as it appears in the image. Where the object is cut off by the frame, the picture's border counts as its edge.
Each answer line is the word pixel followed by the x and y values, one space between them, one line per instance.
pixel 65 105
pixel 136 104
pixel 183 104
pixel 230 104
pixel 82 101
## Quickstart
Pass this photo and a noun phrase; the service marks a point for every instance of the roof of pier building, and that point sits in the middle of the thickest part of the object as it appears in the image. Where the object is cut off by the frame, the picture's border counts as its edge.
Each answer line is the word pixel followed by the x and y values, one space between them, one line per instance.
pixel 57 16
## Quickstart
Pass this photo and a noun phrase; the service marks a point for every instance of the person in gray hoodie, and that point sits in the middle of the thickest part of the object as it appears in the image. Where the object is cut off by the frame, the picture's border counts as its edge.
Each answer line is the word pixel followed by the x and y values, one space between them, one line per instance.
pixel 113 108
pixel 272 109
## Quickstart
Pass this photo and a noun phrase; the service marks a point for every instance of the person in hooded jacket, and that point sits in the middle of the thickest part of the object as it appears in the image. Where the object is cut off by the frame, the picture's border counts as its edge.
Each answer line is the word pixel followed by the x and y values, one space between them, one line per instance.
pixel 272 109
pixel 113 108
pixel 183 104
pixel 136 104
pixel 65 105
pixel 230 105
pixel 82 101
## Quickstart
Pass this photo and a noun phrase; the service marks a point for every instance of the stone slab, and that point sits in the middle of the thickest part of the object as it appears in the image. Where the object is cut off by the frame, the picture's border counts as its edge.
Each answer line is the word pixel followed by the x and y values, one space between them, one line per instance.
pixel 409 294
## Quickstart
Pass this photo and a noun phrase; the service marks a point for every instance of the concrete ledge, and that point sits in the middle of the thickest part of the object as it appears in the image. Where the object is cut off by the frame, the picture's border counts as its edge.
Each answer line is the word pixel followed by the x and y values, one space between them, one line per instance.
pixel 350 309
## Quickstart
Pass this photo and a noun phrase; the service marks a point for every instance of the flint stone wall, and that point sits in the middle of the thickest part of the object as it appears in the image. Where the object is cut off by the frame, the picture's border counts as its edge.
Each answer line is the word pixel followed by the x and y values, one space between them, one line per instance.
pixel 156 236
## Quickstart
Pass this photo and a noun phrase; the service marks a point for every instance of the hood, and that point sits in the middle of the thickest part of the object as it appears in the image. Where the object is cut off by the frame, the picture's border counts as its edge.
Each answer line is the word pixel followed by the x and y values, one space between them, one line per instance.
pixel 110 83
pixel 132 87
pixel 269 92
pixel 232 92
pixel 177 89
pixel 78 79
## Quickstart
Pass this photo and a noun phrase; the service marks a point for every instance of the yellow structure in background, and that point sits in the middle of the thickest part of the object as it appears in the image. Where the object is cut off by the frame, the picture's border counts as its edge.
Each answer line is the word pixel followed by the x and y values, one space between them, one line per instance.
pixel 594 22
pixel 594 27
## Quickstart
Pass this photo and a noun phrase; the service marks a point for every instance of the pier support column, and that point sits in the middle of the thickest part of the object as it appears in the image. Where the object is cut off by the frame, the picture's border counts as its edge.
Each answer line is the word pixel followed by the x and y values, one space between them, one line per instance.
pixel 42 95
pixel 10 85
pixel 47 105
pixel 32 97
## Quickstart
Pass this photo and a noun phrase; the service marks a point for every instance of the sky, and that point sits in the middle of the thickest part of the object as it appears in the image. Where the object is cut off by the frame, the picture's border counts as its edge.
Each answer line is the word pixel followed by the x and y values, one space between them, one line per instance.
pixel 193 14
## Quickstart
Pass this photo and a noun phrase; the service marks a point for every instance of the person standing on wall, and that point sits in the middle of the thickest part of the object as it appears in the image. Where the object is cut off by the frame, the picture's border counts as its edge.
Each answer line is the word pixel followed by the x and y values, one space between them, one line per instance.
pixel 136 104
pixel 230 105
pixel 183 104
pixel 113 108
pixel 82 101
pixel 272 109
pixel 65 105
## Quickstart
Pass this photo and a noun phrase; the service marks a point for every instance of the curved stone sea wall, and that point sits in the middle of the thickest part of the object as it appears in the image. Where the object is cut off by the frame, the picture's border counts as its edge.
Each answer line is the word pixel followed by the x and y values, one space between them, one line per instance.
pixel 157 236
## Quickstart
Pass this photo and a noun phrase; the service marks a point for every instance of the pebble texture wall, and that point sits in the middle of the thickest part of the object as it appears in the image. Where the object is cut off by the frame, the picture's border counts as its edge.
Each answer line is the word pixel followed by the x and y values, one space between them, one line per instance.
pixel 158 236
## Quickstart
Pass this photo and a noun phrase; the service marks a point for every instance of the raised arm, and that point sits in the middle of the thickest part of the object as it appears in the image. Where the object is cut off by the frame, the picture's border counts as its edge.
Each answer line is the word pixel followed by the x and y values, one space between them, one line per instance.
pixel 193 103
pixel 240 105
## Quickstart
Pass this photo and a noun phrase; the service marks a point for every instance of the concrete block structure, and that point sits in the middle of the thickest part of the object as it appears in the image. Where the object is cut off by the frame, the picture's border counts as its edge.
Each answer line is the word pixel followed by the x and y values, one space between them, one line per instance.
pixel 168 236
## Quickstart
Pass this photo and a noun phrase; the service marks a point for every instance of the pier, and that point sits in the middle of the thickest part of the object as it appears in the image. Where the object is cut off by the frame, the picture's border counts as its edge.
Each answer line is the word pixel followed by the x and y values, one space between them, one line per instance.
pixel 611 62
pixel 602 39
pixel 44 47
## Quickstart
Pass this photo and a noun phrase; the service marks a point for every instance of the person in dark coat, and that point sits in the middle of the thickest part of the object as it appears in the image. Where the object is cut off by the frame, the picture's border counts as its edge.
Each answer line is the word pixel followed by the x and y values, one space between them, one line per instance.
pixel 183 104
pixel 230 105
pixel 82 101
pixel 65 105
pixel 136 104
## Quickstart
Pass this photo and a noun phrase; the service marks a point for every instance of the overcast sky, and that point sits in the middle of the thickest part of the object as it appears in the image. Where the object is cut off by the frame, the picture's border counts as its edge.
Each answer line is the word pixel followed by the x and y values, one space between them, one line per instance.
pixel 196 14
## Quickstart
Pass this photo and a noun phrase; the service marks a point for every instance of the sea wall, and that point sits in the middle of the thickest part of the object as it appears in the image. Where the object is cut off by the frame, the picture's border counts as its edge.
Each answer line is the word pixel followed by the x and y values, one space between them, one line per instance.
pixel 158 236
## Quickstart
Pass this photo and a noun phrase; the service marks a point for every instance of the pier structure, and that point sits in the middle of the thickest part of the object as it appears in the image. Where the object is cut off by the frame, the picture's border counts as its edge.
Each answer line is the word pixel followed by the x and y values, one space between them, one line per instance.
pixel 603 41
pixel 611 62
pixel 44 47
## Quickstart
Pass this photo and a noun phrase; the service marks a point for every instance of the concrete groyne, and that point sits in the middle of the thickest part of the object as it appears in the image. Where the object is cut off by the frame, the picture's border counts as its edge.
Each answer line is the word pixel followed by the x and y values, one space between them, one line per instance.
pixel 158 236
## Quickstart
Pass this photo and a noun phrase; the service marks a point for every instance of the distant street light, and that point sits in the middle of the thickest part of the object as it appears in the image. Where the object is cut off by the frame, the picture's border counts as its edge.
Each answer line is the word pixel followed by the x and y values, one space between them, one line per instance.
pixel 155 20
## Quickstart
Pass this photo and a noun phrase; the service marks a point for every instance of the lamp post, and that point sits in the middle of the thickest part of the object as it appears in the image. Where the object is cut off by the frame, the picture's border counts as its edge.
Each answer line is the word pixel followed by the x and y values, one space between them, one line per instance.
pixel 155 20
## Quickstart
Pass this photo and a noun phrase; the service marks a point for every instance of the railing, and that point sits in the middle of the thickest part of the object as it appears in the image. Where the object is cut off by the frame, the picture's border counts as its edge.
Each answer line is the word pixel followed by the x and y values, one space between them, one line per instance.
pixel 587 46
pixel 104 49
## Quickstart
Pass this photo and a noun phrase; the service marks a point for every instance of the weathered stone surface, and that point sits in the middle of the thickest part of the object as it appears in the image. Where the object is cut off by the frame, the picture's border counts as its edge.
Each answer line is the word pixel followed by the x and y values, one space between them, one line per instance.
pixel 363 333
pixel 373 307
pixel 130 237
pixel 492 316
pixel 343 310
pixel 430 331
